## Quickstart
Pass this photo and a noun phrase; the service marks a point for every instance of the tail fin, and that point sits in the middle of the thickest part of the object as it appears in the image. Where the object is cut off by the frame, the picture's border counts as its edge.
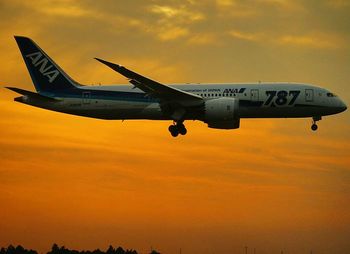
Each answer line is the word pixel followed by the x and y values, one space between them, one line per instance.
pixel 47 76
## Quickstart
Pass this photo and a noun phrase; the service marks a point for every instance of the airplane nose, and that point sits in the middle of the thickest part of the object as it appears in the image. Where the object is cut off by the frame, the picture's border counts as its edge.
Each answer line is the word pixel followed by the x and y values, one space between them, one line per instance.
pixel 343 106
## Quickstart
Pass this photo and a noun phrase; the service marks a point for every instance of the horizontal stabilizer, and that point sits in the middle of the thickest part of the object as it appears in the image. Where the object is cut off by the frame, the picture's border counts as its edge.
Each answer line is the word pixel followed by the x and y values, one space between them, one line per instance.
pixel 30 94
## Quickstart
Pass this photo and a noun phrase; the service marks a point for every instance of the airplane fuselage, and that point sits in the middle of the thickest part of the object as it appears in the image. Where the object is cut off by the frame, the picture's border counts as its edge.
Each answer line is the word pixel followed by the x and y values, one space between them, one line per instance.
pixel 259 100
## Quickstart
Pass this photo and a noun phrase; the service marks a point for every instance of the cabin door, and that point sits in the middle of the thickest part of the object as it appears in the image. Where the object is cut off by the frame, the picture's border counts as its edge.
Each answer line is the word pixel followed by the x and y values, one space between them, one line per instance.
pixel 309 95
pixel 254 94
pixel 86 97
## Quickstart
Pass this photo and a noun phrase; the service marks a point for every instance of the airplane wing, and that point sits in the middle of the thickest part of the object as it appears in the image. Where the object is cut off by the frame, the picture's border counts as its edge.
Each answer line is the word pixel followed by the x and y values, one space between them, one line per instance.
pixel 166 94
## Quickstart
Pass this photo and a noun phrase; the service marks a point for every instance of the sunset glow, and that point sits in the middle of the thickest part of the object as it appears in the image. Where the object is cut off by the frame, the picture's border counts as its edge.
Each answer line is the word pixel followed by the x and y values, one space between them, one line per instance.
pixel 84 183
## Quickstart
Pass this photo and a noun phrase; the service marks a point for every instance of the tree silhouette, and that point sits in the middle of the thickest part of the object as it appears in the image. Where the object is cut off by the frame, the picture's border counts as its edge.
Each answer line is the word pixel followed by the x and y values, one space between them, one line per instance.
pixel 110 250
pixel 119 250
pixel 16 250
pixel 97 251
pixel 20 250
pixel 55 249
pixel 11 249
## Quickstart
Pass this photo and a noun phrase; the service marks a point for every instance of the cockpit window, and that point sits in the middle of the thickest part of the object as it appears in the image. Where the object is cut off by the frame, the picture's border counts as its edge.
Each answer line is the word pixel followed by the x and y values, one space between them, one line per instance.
pixel 330 95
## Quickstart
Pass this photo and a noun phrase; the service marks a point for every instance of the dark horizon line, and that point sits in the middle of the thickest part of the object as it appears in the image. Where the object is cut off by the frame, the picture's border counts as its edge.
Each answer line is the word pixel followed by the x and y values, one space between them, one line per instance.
pixel 55 249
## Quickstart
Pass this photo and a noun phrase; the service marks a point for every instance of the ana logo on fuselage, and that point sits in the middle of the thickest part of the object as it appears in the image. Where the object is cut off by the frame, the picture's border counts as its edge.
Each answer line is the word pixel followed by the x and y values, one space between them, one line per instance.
pixel 47 70
pixel 234 90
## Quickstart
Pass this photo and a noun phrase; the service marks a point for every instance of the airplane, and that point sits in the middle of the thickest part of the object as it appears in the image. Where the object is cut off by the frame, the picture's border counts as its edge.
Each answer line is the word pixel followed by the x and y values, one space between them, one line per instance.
pixel 220 106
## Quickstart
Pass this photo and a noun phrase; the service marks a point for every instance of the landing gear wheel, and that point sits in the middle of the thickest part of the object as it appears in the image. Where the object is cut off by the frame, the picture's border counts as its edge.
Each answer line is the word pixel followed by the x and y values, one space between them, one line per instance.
pixel 174 131
pixel 314 126
pixel 177 128
pixel 182 129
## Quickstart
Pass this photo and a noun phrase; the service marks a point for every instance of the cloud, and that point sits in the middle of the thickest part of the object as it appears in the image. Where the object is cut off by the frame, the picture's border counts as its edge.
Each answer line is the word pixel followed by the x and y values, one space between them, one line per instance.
pixel 168 33
pixel 285 5
pixel 203 39
pixel 179 14
pixel 225 3
pixel 165 10
pixel 256 8
pixel 244 35
pixel 235 9
pixel 312 41
pixel 173 22
pixel 64 8
pixel 338 3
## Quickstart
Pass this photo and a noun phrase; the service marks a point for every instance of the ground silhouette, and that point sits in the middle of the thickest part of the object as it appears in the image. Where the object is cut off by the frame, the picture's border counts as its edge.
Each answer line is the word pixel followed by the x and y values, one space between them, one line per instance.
pixel 63 250
pixel 16 250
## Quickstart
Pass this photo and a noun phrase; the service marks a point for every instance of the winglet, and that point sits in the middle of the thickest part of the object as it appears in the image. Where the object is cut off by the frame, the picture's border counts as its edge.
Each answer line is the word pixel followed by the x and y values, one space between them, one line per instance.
pixel 122 70
pixel 113 66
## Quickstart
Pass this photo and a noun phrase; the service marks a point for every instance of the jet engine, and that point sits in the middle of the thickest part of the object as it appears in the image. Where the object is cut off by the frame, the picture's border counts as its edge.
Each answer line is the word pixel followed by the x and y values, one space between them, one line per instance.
pixel 222 113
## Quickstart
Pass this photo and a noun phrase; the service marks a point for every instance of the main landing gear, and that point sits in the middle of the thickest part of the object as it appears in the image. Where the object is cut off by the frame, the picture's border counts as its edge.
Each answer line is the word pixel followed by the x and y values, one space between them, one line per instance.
pixel 314 126
pixel 177 128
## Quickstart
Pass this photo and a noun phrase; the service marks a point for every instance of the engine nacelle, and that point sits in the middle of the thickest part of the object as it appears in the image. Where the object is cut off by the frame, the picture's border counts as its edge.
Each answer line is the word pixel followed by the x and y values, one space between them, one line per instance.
pixel 222 113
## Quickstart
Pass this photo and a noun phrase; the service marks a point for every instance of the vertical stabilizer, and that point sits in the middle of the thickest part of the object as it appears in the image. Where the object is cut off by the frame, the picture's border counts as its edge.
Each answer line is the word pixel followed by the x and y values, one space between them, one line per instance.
pixel 47 76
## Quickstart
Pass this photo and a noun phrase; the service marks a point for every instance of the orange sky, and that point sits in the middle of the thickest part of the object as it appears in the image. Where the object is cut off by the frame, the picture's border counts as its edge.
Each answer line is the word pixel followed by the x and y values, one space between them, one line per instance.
pixel 87 183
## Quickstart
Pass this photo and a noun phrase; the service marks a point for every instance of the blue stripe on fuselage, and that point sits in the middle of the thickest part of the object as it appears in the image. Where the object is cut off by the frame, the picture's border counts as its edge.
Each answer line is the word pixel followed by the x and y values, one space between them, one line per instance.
pixel 105 95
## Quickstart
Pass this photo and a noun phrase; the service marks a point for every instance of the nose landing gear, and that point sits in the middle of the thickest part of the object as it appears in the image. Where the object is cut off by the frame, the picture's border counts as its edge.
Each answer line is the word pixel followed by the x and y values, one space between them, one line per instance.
pixel 177 128
pixel 314 126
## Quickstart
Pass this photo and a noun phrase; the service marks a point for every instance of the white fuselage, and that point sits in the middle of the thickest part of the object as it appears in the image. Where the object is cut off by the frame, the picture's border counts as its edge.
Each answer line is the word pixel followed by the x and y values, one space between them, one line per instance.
pixel 259 100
